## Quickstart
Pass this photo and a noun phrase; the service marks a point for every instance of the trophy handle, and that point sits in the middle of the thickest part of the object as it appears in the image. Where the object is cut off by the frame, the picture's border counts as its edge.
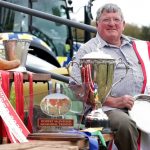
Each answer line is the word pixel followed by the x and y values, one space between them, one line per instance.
pixel 119 61
pixel 68 66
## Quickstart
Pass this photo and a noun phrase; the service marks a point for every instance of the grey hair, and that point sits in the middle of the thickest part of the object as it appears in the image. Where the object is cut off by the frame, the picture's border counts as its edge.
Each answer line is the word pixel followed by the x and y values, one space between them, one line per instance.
pixel 109 8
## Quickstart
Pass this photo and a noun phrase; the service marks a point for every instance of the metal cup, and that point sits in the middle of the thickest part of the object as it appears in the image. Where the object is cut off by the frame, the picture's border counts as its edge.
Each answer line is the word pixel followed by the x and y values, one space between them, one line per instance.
pixel 97 74
pixel 17 49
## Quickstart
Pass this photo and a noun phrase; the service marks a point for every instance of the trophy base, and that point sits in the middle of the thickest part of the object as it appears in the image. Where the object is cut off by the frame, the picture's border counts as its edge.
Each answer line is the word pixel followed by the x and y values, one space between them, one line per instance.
pixel 97 118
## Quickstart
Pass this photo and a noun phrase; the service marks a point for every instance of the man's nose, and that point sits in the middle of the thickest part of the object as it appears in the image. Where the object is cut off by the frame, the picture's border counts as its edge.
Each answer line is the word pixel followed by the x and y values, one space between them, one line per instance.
pixel 112 21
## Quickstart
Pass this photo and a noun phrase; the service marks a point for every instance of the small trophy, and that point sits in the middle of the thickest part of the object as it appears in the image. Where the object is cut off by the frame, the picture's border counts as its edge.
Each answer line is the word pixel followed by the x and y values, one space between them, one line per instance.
pixel 59 111
pixel 17 49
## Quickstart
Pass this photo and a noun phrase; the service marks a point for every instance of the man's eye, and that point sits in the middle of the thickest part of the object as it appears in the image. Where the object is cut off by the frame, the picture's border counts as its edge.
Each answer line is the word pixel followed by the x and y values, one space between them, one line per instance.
pixel 106 20
pixel 117 20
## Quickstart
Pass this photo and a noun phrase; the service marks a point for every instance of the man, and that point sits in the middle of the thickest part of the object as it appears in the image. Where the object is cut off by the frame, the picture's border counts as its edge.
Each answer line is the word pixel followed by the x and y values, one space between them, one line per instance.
pixel 109 39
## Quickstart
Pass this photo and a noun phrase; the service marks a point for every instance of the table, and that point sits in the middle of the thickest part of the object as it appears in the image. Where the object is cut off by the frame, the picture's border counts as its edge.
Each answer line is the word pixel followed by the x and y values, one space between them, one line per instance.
pixel 53 142
pixel 39 145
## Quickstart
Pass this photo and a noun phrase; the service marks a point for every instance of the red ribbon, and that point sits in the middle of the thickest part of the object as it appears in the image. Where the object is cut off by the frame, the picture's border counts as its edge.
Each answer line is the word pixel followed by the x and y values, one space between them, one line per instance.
pixel 18 82
pixel 5 86
pixel 87 80
pixel 142 65
pixel 30 114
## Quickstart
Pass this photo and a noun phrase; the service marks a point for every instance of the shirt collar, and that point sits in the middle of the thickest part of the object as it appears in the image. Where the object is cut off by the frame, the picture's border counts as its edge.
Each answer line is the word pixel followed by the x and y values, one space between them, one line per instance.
pixel 125 40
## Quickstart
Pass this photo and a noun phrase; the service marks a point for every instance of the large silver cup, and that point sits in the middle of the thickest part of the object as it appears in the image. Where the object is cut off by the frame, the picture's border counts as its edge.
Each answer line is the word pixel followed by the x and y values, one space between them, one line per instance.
pixel 98 75
pixel 17 49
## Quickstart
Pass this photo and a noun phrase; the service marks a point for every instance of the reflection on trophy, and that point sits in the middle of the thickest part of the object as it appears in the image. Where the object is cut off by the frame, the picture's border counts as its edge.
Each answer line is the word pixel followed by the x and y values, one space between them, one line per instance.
pixel 97 73
pixel 17 49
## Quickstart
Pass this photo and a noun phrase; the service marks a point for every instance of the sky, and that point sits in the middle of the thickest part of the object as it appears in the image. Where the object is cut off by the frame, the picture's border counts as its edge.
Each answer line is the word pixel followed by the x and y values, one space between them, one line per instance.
pixel 135 11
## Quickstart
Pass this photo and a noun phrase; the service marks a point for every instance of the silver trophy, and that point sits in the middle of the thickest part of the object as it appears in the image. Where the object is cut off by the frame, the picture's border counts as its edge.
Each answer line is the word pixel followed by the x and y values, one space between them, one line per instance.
pixel 17 49
pixel 97 73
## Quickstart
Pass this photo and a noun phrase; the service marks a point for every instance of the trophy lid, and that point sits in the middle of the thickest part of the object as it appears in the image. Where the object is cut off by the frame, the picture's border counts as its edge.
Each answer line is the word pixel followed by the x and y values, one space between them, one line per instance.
pixel 97 55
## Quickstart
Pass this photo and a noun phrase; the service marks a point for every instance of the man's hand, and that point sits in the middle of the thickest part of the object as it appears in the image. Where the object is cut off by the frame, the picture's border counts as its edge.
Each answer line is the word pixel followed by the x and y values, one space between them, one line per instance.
pixel 125 101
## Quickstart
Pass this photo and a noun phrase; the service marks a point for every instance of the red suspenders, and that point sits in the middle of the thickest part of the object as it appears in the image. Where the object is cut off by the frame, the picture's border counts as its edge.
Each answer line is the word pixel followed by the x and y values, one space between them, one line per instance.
pixel 144 60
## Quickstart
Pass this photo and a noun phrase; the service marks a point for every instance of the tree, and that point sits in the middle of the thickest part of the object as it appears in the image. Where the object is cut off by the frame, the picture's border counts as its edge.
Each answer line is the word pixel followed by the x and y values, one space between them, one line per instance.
pixel 145 33
pixel 133 31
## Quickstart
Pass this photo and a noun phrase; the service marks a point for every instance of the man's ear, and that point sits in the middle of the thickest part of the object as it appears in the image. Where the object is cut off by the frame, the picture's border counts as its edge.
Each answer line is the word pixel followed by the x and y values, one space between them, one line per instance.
pixel 124 24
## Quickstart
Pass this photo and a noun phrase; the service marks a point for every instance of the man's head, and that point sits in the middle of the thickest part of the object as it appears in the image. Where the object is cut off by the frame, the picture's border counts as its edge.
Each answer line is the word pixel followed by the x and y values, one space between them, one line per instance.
pixel 110 23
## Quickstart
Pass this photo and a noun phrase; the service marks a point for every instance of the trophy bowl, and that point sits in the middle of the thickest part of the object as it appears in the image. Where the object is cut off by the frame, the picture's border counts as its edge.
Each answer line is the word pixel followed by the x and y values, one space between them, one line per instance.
pixel 98 74
pixel 17 49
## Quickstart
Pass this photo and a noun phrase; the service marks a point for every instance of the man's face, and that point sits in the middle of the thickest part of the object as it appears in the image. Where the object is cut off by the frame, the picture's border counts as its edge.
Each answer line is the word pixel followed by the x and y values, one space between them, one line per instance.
pixel 110 26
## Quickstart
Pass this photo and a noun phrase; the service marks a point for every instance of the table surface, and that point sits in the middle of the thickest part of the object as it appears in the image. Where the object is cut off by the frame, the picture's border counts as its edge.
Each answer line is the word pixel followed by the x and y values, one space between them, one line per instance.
pixel 40 145
pixel 39 77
